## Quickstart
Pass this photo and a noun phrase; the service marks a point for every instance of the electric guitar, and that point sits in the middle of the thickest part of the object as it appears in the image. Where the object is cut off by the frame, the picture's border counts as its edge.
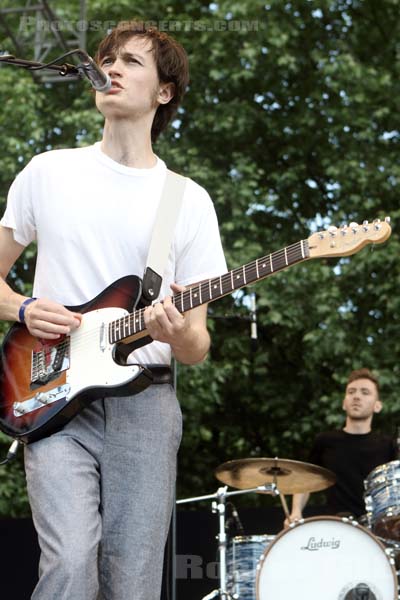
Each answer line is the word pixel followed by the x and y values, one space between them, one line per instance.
pixel 44 384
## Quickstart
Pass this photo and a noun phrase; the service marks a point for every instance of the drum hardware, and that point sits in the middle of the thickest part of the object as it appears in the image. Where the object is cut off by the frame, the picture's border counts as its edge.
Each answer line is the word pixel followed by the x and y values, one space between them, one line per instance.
pixel 364 564
pixel 273 476
pixel 218 506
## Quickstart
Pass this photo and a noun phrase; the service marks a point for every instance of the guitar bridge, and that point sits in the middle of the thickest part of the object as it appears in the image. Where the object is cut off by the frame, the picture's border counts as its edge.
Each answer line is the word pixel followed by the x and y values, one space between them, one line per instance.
pixel 48 360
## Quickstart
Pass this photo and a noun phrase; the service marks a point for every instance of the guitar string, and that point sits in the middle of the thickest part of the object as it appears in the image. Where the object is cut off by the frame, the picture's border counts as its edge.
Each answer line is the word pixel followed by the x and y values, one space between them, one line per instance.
pixel 249 270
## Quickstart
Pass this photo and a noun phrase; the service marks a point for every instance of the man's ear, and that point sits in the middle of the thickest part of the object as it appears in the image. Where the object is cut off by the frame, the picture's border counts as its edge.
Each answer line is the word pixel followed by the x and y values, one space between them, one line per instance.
pixel 378 406
pixel 166 92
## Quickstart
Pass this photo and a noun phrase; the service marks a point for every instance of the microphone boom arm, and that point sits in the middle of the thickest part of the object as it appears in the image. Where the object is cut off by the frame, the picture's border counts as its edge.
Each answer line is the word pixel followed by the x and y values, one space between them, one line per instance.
pixel 64 70
pixel 100 81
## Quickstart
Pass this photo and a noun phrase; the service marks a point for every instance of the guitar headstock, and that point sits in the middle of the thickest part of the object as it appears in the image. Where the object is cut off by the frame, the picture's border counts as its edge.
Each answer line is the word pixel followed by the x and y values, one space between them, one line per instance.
pixel 348 240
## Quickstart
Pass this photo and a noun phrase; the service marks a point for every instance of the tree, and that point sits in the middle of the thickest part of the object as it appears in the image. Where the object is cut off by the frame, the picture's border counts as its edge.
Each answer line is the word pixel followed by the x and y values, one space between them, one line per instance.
pixel 290 122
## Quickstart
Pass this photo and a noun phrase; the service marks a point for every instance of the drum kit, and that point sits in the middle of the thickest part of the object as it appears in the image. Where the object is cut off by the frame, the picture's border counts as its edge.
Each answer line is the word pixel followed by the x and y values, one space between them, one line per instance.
pixel 318 558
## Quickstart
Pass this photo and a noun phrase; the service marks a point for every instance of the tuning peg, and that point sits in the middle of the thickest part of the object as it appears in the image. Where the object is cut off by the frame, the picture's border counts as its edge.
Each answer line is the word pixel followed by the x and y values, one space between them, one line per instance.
pixel 332 230
pixel 387 219
pixel 321 235
pixel 365 225
pixel 354 227
pixel 377 224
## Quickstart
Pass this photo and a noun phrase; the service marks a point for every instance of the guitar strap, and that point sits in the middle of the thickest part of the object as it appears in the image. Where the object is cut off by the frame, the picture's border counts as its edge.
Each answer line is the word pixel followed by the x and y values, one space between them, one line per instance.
pixel 161 240
pixel 163 231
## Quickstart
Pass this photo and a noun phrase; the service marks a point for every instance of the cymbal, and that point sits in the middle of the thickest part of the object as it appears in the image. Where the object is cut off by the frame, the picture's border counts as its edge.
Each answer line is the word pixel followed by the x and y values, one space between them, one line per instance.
pixel 290 476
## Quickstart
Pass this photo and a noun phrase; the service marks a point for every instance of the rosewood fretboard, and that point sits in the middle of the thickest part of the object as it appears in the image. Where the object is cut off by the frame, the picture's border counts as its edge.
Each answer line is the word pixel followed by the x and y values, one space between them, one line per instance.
pixel 217 287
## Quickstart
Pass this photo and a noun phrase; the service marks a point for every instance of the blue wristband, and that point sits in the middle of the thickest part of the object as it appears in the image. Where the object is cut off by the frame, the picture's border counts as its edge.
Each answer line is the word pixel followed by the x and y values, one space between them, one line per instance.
pixel 22 308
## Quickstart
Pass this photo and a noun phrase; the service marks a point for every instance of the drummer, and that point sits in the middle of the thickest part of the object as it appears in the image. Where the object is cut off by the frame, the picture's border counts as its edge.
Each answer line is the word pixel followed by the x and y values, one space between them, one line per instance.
pixel 352 452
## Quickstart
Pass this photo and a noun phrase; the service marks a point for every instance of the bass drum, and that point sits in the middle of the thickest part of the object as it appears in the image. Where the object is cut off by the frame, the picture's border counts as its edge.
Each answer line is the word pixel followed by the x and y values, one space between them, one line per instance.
pixel 326 558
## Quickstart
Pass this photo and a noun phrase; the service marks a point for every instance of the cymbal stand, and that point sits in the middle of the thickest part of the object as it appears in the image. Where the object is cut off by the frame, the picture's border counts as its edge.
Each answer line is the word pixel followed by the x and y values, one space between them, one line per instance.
pixel 218 506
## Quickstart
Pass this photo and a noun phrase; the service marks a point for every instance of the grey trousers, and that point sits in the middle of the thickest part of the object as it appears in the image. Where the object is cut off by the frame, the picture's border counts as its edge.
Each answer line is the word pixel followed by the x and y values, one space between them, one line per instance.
pixel 101 492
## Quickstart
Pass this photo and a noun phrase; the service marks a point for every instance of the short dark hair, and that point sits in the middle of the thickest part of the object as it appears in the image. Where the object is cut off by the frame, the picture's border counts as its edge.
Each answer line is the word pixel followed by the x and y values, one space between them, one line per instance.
pixel 170 58
pixel 363 374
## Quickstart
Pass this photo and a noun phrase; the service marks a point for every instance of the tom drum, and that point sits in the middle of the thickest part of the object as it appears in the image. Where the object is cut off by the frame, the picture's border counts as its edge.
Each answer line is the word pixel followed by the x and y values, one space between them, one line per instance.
pixel 242 556
pixel 382 499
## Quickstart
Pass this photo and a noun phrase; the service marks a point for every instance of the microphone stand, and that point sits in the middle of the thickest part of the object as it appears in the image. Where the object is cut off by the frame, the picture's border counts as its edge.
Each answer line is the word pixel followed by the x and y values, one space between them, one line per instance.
pixel 218 506
pixel 64 70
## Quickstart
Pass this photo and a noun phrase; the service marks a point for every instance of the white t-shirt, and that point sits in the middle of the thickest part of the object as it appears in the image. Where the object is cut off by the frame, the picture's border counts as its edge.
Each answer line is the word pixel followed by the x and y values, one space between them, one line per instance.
pixel 93 219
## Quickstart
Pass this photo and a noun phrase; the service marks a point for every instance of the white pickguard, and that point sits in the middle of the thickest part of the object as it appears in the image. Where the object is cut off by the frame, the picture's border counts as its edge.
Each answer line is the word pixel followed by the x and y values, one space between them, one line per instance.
pixel 91 354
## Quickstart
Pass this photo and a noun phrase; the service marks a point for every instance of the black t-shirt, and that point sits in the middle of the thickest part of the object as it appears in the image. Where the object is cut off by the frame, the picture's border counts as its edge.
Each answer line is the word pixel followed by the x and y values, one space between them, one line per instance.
pixel 351 457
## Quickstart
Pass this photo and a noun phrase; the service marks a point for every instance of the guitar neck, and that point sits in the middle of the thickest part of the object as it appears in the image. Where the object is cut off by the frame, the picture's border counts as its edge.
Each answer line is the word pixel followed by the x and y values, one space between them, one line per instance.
pixel 217 287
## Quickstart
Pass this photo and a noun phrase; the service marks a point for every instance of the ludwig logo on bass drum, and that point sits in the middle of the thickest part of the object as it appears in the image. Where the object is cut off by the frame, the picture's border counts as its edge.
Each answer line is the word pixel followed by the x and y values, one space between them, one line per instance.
pixel 314 545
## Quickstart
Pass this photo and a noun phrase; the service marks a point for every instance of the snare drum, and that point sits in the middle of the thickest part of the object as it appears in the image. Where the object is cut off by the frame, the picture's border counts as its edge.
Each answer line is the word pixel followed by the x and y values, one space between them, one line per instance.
pixel 326 558
pixel 242 556
pixel 382 499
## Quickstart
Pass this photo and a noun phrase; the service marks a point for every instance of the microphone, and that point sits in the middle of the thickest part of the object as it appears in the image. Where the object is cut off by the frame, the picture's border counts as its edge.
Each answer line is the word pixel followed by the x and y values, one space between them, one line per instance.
pixel 237 520
pixel 99 80
pixel 253 322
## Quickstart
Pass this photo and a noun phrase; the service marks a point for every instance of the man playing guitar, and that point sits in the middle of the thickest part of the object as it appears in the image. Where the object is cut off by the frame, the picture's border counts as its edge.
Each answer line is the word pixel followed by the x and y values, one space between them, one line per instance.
pixel 101 488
